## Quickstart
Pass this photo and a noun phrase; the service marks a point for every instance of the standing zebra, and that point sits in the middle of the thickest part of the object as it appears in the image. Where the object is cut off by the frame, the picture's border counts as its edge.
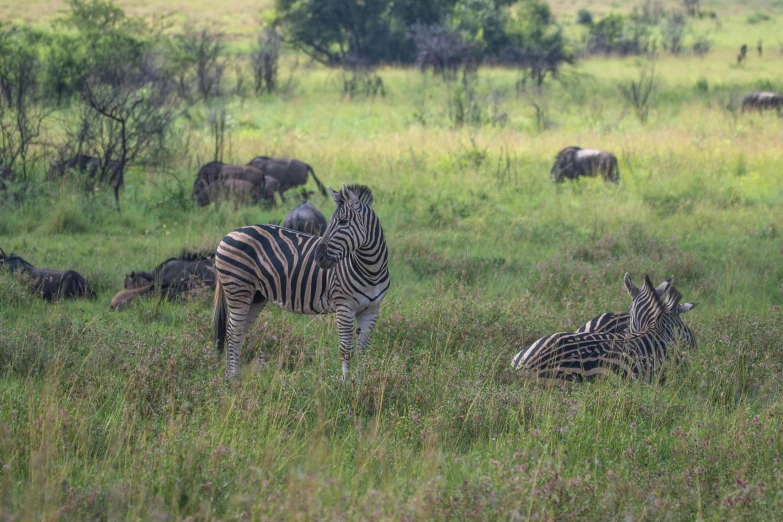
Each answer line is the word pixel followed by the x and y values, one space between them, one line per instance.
pixel 614 323
pixel 344 272
pixel 640 353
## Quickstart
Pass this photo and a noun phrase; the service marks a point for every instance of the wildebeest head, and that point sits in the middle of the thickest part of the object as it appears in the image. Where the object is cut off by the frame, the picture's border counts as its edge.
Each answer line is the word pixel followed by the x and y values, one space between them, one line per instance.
pixel 136 280
pixel 13 262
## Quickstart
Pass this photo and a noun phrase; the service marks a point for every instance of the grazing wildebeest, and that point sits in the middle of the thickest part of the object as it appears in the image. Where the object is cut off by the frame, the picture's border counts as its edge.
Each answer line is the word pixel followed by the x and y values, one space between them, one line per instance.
pixel 176 275
pixel 288 172
pixel 49 284
pixel 761 101
pixel 126 296
pixel 306 218
pixel 573 162
pixel 215 179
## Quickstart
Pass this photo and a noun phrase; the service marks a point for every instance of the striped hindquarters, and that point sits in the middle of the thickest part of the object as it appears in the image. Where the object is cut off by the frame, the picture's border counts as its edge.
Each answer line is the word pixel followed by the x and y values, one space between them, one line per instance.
pixel 268 263
pixel 586 355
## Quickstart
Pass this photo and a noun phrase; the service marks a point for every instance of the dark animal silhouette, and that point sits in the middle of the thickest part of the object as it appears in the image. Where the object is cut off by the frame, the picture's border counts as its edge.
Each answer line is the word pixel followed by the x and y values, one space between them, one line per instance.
pixel 760 48
pixel 6 174
pixel 87 165
pixel 49 284
pixel 761 101
pixel 288 172
pixel 175 276
pixel 306 218
pixel 215 180
pixel 742 54
pixel 573 162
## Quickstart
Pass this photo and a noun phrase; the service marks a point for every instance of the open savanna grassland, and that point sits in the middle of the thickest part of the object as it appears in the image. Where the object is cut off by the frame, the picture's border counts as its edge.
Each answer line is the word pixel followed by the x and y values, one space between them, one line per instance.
pixel 126 415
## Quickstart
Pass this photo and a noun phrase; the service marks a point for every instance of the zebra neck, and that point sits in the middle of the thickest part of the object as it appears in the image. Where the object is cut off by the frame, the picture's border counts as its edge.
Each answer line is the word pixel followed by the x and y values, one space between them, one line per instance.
pixel 372 260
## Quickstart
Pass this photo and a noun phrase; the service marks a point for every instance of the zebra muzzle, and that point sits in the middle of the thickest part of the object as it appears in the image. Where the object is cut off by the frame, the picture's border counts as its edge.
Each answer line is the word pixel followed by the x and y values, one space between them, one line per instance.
pixel 322 258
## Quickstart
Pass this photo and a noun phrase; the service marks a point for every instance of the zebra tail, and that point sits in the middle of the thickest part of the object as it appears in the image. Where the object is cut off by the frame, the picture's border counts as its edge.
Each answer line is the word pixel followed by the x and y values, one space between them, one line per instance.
pixel 317 181
pixel 219 325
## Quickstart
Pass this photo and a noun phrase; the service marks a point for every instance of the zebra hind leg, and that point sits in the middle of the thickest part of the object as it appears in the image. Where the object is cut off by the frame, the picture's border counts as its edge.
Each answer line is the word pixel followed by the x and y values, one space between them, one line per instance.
pixel 241 314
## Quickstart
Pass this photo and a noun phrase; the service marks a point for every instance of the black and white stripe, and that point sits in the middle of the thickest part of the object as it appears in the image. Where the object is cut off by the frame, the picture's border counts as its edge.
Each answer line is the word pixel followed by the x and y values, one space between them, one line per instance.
pixel 672 324
pixel 640 353
pixel 344 272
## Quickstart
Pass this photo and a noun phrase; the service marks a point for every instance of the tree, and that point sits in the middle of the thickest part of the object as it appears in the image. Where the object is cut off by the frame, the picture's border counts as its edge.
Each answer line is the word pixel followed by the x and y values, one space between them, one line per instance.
pixel 131 116
pixel 196 58
pixel 22 111
pixel 365 31
pixel 265 60
pixel 538 46
pixel 442 50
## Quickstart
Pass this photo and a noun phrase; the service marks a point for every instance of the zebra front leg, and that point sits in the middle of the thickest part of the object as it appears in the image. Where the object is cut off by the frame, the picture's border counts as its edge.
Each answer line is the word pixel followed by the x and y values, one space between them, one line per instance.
pixel 365 322
pixel 345 317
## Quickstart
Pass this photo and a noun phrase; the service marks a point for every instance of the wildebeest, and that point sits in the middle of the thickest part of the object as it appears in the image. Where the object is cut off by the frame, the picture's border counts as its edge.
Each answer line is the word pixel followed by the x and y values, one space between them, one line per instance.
pixel 176 275
pixel 288 172
pixel 306 218
pixel 573 162
pixel 742 54
pixel 762 100
pixel 87 165
pixel 49 284
pixel 216 179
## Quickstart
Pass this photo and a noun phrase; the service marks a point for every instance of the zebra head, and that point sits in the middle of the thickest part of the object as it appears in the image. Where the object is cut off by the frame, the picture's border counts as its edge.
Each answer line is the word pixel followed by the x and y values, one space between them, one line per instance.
pixel 348 228
pixel 646 305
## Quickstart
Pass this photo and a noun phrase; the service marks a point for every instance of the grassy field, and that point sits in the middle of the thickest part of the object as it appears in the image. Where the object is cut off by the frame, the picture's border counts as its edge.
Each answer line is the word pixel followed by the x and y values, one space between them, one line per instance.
pixel 126 415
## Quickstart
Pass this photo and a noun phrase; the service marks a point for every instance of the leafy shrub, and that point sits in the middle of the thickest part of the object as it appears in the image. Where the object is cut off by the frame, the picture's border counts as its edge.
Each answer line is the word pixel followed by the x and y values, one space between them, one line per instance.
pixel 701 45
pixel 757 18
pixel 617 34
pixel 584 17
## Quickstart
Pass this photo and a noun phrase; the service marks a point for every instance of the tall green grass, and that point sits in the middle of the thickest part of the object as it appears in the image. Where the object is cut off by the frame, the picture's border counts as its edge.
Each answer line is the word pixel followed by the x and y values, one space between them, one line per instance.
pixel 108 415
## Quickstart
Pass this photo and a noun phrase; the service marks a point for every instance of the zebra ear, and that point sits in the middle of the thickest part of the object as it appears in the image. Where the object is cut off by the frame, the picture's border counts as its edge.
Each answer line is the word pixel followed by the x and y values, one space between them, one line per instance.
pixel 336 196
pixel 686 307
pixel 632 289
pixel 660 290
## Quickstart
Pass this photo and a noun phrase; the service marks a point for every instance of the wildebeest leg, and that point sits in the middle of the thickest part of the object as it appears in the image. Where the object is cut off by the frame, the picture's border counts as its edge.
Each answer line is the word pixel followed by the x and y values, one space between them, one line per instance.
pixel 345 317
pixel 365 322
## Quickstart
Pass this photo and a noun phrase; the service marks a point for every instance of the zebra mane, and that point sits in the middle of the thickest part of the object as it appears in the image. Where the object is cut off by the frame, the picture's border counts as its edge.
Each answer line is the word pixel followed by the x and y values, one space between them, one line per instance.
pixel 187 255
pixel 362 192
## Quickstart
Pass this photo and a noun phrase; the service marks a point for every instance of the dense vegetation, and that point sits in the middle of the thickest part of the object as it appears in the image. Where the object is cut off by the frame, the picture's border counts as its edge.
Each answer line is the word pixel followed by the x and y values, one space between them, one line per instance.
pixel 108 415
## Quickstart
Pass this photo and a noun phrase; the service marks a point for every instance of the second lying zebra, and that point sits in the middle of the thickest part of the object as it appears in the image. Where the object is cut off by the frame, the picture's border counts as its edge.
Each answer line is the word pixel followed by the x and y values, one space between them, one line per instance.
pixel 640 353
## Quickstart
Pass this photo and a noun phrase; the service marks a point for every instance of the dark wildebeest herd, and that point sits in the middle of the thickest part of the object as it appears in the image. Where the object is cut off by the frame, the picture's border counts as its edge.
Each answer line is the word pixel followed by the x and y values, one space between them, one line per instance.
pixel 254 183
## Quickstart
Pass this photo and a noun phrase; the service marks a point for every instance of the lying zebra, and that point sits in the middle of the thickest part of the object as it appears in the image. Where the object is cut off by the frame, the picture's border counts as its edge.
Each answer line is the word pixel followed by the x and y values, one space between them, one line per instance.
pixel 583 355
pixel 618 323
